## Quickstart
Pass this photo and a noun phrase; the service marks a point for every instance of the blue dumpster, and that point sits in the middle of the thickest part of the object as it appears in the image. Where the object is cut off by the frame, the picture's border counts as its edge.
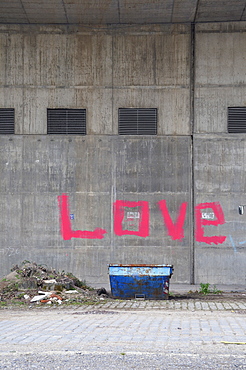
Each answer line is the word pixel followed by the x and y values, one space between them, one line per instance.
pixel 140 281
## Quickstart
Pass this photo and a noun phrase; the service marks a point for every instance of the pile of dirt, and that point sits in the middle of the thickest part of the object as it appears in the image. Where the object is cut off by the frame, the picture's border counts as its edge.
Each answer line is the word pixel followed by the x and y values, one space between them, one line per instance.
pixel 30 283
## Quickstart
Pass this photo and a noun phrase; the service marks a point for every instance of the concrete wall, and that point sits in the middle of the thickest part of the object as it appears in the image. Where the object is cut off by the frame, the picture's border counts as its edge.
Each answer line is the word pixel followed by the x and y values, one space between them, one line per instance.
pixel 219 158
pixel 100 70
pixel 219 174
pixel 220 51
pixel 103 69
pixel 94 172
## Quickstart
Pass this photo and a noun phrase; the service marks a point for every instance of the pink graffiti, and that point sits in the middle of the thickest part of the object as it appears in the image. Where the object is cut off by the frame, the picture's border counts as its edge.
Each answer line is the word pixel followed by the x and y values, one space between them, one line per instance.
pixel 200 222
pixel 143 230
pixel 175 229
pixel 66 230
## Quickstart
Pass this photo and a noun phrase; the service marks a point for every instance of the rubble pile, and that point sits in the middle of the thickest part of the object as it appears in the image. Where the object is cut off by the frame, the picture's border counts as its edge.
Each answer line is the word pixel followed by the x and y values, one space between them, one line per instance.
pixel 38 285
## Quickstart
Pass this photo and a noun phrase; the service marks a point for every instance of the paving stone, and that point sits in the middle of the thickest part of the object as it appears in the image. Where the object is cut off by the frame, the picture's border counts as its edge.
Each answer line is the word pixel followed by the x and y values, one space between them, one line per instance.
pixel 139 326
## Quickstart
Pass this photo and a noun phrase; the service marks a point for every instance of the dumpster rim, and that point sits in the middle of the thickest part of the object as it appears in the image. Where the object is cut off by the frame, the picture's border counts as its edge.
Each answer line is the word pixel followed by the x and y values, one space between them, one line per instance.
pixel 137 265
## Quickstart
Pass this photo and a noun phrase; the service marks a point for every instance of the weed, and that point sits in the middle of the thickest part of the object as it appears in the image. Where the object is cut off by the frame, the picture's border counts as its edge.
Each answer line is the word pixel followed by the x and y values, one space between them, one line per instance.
pixel 18 303
pixel 21 295
pixel 216 291
pixel 205 289
pixel 13 287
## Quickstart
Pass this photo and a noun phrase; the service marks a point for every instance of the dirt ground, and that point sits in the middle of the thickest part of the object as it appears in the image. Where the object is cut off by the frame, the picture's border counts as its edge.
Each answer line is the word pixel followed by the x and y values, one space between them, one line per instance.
pixel 219 297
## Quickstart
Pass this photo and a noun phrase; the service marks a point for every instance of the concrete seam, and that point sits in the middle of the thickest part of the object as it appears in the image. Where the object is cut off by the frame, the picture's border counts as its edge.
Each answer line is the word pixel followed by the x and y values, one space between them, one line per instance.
pixel 192 195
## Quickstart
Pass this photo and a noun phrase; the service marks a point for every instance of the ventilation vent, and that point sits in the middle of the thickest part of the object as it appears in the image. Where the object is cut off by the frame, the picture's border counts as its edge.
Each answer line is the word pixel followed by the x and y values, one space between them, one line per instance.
pixel 7 121
pixel 137 121
pixel 66 121
pixel 237 120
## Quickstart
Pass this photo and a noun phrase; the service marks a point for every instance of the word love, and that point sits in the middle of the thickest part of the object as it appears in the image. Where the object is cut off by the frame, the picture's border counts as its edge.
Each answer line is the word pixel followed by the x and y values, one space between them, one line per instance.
pixel 175 229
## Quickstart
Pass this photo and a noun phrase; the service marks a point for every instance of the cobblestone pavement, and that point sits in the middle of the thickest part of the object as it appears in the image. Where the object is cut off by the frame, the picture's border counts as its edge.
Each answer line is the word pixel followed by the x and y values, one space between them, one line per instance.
pixel 183 304
pixel 186 333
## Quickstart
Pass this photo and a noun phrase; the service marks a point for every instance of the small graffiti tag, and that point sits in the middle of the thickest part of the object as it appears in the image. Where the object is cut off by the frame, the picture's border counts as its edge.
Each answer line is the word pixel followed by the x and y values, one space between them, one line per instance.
pixel 208 215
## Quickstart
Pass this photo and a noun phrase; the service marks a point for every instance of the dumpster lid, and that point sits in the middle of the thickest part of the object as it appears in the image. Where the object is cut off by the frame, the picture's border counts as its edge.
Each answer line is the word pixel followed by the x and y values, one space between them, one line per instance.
pixel 138 265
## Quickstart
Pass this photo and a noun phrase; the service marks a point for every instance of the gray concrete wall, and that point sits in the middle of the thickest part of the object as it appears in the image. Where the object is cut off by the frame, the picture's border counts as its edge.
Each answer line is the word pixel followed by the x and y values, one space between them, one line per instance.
pixel 219 174
pixel 94 171
pixel 100 70
pixel 219 157
pixel 103 69
pixel 220 78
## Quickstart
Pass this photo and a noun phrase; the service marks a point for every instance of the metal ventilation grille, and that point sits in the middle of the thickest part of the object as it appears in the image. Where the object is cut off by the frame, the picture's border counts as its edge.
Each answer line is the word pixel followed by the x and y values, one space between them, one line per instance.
pixel 7 121
pixel 137 121
pixel 237 120
pixel 66 121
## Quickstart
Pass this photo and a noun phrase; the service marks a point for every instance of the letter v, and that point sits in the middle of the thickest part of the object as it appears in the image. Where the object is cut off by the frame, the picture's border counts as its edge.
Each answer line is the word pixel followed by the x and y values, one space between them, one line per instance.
pixel 175 230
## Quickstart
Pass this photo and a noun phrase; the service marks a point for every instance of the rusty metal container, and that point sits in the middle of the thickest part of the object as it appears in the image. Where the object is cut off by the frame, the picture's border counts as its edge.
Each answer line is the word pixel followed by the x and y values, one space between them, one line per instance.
pixel 140 281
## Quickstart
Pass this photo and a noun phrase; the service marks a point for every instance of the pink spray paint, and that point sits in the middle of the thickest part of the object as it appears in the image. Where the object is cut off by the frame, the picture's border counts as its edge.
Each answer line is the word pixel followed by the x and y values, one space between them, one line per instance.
pixel 200 222
pixel 143 230
pixel 66 229
pixel 175 229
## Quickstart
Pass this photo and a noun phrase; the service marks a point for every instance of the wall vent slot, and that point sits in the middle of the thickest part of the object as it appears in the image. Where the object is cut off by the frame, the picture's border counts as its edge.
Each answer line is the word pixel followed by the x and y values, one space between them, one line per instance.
pixel 66 121
pixel 137 121
pixel 236 120
pixel 7 121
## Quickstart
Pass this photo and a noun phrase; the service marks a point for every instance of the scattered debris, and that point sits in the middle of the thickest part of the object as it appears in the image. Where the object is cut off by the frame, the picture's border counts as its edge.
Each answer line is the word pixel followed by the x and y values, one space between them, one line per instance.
pixel 102 291
pixel 38 298
pixel 71 291
pixel 33 284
